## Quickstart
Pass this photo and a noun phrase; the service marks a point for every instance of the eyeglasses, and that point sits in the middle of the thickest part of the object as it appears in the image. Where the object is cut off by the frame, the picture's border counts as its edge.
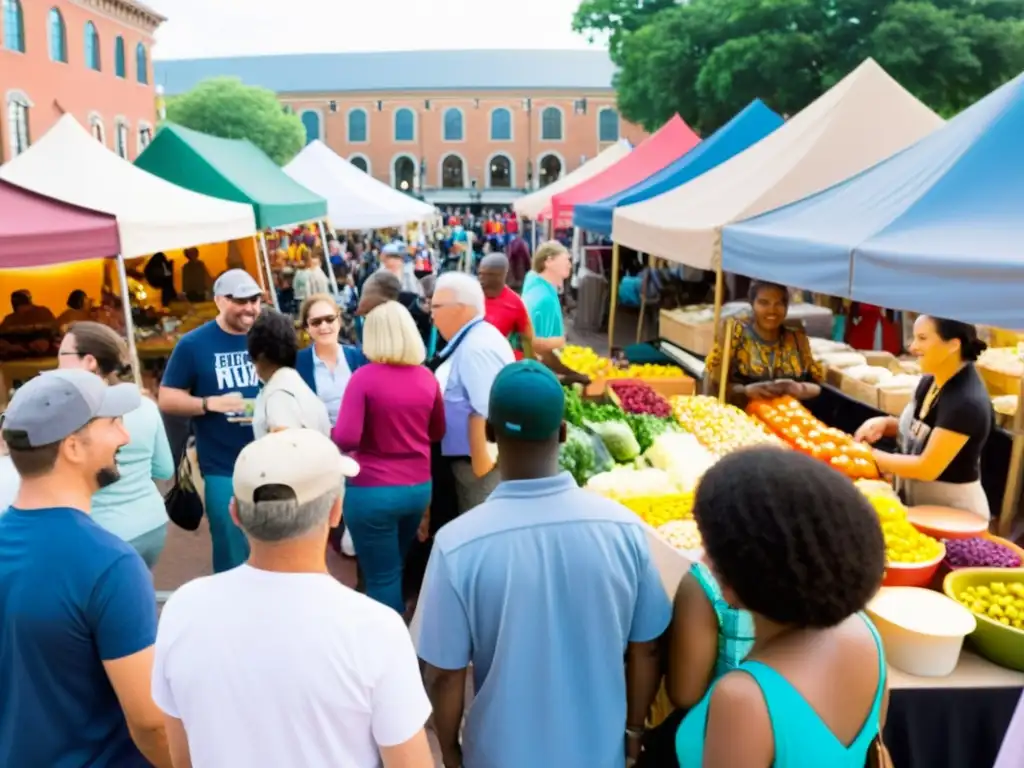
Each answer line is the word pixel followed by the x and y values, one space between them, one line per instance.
pixel 245 302
pixel 316 322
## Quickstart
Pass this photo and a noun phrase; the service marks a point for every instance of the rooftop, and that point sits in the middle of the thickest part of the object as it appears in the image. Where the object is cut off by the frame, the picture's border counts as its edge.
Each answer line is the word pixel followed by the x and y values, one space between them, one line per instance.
pixel 399 71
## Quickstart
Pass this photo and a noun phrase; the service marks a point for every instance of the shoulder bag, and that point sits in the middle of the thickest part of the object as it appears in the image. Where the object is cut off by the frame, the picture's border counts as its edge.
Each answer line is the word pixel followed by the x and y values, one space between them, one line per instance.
pixel 183 503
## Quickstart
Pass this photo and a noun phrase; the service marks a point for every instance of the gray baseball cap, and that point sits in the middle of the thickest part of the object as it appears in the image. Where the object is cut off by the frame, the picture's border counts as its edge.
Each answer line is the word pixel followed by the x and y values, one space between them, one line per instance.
pixel 56 404
pixel 236 284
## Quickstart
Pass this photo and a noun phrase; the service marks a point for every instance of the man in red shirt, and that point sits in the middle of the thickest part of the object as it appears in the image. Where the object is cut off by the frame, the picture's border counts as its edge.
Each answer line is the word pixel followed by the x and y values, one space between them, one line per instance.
pixel 504 309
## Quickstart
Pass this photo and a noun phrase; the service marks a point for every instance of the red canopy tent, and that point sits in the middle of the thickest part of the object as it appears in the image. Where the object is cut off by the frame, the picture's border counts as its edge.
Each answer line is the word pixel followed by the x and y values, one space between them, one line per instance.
pixel 36 231
pixel 673 140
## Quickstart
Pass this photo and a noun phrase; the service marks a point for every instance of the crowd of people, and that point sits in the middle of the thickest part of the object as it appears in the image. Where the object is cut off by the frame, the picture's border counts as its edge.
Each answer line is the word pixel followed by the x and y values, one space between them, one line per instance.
pixel 540 627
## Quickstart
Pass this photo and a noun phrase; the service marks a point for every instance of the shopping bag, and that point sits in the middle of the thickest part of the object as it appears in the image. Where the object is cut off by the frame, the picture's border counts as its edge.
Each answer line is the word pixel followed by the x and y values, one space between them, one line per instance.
pixel 183 502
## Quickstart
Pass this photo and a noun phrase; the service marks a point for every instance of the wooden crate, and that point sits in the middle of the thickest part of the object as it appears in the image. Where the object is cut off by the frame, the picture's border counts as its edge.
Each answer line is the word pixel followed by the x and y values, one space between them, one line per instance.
pixel 999 383
pixel 693 337
pixel 893 401
pixel 666 387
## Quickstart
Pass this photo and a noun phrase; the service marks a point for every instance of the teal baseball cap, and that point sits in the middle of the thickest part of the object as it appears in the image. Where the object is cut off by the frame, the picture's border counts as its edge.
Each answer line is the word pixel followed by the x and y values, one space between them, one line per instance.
pixel 527 402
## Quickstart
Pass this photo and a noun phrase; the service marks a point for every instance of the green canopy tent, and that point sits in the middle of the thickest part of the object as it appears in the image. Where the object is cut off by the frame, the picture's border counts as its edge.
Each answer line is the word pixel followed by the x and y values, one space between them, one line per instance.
pixel 232 169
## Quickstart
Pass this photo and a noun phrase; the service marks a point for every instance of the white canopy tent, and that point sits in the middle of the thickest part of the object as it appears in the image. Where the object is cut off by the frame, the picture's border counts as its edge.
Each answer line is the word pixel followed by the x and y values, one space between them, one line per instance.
pixel 69 165
pixel 863 119
pixel 532 205
pixel 355 200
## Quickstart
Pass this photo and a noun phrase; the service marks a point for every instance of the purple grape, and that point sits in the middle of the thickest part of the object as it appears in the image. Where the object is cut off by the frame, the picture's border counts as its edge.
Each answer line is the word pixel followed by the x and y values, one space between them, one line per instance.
pixel 979 552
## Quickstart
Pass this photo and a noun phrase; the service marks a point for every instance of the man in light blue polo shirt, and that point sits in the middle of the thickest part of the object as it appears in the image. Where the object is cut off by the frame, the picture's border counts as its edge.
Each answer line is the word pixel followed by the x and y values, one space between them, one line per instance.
pixel 543 588
pixel 552 266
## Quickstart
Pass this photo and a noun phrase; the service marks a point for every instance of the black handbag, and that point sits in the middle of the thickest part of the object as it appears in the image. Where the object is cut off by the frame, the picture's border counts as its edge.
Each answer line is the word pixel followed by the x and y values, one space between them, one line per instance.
pixel 183 503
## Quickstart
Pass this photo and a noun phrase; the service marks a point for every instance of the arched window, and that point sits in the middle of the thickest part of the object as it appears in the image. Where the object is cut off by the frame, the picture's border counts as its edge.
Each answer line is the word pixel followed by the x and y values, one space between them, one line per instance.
pixel 360 162
pixel 121 139
pixel 550 170
pixel 14 26
pixel 145 137
pixel 358 132
pixel 119 67
pixel 18 106
pixel 57 35
pixel 499 172
pixel 607 125
pixel 453 124
pixel 501 124
pixel 92 47
pixel 551 124
pixel 405 125
pixel 96 128
pixel 311 122
pixel 141 64
pixel 453 172
pixel 403 170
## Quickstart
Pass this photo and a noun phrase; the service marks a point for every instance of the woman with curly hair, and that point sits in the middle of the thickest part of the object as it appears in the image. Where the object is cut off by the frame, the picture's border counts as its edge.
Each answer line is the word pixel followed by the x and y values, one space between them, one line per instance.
pixel 286 401
pixel 791 541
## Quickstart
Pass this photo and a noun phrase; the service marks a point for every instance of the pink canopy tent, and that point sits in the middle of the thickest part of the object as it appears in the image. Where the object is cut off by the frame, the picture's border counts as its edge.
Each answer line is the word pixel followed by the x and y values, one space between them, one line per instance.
pixel 673 140
pixel 36 231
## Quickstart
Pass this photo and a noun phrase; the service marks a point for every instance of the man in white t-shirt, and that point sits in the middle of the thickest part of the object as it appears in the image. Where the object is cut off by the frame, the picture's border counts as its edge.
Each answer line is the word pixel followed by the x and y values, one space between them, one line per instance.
pixel 274 664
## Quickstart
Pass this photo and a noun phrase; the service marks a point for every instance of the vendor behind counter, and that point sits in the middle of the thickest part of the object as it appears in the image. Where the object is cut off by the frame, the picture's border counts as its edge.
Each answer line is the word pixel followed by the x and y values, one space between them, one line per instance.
pixel 766 358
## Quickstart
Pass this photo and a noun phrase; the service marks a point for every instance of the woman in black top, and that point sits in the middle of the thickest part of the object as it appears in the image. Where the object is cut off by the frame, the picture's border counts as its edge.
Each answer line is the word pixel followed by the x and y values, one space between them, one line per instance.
pixel 942 431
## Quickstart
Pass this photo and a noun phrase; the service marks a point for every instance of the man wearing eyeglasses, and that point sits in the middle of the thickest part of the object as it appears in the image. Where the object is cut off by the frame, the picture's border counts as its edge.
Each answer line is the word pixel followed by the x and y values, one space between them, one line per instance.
pixel 211 380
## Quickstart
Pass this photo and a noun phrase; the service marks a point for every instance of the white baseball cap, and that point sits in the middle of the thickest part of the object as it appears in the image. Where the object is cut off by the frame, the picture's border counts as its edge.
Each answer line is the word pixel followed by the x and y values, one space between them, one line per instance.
pixel 304 460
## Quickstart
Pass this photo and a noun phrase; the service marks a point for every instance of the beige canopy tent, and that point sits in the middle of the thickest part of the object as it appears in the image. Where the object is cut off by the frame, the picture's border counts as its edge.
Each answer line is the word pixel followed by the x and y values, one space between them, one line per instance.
pixel 863 119
pixel 530 206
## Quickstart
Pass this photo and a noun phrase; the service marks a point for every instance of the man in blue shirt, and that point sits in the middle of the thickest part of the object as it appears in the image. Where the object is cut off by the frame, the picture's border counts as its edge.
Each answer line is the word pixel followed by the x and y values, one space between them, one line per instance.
pixel 543 588
pixel 211 380
pixel 77 607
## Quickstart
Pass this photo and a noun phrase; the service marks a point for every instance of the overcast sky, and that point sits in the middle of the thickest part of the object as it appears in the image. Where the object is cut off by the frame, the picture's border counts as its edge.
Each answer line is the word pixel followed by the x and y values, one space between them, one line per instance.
pixel 205 28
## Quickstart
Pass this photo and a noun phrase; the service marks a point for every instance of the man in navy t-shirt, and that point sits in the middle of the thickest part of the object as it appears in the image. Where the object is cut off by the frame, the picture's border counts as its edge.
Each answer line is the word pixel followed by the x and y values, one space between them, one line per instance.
pixel 77 607
pixel 211 379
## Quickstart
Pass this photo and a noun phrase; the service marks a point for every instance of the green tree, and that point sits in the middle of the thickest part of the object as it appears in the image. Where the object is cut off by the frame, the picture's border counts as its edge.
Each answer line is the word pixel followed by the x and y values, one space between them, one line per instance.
pixel 615 19
pixel 225 107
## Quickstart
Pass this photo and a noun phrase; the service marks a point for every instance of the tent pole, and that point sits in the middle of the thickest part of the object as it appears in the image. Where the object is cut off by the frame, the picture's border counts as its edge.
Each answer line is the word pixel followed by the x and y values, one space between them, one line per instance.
pixel 129 323
pixel 327 258
pixel 260 277
pixel 270 275
pixel 533 237
pixel 1012 489
pixel 719 286
pixel 614 297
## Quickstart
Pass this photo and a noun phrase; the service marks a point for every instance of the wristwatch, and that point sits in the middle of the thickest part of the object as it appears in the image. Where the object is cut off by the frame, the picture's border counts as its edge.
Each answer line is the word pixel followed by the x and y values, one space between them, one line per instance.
pixel 206 407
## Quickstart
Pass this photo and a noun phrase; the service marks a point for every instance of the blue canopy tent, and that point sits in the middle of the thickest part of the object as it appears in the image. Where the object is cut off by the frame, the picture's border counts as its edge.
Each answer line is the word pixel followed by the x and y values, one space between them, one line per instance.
pixel 745 129
pixel 937 228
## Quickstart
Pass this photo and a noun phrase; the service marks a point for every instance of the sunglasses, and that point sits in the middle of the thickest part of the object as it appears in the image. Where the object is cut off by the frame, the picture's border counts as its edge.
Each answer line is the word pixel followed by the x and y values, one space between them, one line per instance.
pixel 245 302
pixel 316 322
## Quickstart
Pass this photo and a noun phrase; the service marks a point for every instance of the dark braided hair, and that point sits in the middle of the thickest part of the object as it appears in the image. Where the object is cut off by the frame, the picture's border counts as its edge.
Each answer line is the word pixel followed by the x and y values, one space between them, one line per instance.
pixel 792 537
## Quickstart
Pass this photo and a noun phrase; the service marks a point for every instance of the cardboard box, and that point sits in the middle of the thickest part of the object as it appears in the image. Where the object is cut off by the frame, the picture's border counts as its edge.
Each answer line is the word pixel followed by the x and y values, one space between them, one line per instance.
pixel 693 337
pixel 893 401
pixel 870 394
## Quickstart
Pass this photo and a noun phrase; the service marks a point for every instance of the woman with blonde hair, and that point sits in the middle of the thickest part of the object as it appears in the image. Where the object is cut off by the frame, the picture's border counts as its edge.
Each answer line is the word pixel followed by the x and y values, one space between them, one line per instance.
pixel 131 508
pixel 391 412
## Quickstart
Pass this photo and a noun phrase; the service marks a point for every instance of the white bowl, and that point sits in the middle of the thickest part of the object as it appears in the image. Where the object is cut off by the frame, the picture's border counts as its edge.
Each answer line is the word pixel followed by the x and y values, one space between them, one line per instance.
pixel 923 631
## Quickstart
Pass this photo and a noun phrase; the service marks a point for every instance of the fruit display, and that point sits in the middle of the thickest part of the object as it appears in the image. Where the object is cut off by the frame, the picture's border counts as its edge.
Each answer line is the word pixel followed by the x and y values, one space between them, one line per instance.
pixel 650 493
pixel 720 428
pixel 586 361
pixel 788 419
pixel 904 544
pixel 583 455
pixel 979 552
pixel 640 398
pixel 998 601
pixel 682 457
pixel 681 534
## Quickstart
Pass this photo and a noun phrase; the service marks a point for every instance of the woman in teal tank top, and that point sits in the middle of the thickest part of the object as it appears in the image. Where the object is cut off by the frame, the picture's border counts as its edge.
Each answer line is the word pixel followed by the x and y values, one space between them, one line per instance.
pixel 794 543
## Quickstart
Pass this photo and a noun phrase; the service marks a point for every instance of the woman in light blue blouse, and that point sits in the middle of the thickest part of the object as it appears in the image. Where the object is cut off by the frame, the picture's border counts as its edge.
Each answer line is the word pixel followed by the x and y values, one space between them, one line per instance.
pixel 133 507
pixel 327 365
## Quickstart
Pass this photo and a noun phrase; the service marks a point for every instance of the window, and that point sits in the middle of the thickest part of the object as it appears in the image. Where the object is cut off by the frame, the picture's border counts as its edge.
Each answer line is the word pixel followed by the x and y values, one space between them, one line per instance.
pixel 57 34
pixel 499 172
pixel 453 172
pixel 453 124
pixel 141 64
pixel 357 126
pixel 121 141
pixel 92 47
pixel 145 137
pixel 96 129
pixel 119 67
pixel 550 169
pixel 501 124
pixel 403 170
pixel 311 122
pixel 405 125
pixel 360 162
pixel 18 106
pixel 14 26
pixel 551 124
pixel 607 125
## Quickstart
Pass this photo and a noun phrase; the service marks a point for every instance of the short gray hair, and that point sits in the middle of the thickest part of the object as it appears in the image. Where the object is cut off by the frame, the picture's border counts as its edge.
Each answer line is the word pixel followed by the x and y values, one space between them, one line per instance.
pixel 465 289
pixel 284 519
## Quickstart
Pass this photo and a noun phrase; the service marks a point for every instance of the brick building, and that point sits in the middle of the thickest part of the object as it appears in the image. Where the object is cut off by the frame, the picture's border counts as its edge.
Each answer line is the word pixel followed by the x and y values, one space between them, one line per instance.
pixel 455 127
pixel 87 57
